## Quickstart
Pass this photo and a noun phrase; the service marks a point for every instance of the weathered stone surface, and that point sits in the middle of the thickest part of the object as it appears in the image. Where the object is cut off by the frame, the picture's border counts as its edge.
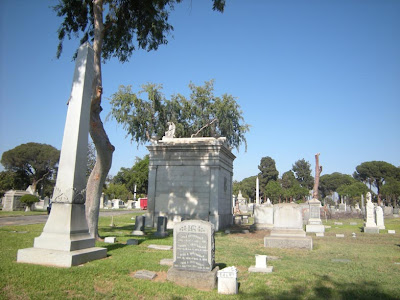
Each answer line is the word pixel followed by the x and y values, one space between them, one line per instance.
pixel 340 235
pixel 194 246
pixel 391 231
pixel 161 227
pixel 198 280
pixel 11 200
pixel 144 274
pixel 370 221
pixel 379 217
pixel 315 228
pixel 371 229
pixel 288 215
pixel 319 234
pixel 227 281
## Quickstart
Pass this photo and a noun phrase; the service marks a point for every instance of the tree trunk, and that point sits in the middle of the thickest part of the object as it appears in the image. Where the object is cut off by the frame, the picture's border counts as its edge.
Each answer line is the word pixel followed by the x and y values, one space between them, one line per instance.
pixel 318 171
pixel 100 139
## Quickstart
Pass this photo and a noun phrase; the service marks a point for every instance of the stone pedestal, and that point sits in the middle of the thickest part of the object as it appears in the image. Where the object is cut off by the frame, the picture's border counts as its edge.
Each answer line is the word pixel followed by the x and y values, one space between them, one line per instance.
pixel 314 222
pixel 11 200
pixel 161 227
pixel 190 178
pixel 288 228
pixel 370 222
pixel 261 265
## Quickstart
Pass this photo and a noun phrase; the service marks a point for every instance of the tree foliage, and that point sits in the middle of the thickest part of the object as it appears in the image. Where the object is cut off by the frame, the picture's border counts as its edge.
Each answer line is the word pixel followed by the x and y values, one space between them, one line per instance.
pixel 247 186
pixel 268 171
pixel 138 174
pixel 329 183
pixel 291 188
pixel 353 191
pixel 391 191
pixel 29 199
pixel 302 169
pixel 273 191
pixel 118 191
pixel 32 160
pixel 146 118
pixel 13 180
pixel 376 173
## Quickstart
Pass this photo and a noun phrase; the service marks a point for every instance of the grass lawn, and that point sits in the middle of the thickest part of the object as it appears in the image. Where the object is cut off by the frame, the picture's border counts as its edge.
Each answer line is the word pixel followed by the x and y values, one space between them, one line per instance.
pixel 22 213
pixel 365 267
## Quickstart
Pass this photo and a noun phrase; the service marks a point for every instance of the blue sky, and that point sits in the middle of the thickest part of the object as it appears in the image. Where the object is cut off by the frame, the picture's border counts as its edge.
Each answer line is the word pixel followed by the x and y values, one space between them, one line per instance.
pixel 310 76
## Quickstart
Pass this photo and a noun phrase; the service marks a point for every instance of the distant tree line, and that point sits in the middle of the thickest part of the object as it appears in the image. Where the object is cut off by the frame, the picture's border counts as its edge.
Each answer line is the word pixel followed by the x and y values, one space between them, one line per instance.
pixel 296 183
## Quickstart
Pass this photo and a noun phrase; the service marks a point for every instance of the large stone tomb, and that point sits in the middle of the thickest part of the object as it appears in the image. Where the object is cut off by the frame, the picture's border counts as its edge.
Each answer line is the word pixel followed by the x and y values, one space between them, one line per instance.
pixel 65 240
pixel 190 178
pixel 314 221
pixel 11 200
pixel 194 252
pixel 288 228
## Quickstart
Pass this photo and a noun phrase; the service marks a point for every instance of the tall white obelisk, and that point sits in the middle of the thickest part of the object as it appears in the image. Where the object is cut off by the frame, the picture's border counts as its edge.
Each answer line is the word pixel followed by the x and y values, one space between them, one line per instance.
pixel 257 191
pixel 65 240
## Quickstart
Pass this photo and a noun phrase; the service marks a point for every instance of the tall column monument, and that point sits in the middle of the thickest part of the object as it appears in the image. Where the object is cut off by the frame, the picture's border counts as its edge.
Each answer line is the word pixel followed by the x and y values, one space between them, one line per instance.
pixel 65 240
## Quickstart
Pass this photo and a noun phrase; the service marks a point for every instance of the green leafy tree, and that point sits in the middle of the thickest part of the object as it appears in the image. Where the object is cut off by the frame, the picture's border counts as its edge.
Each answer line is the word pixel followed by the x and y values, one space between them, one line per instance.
pixel 268 172
pixel 376 172
pixel 353 191
pixel 13 180
pixel 247 186
pixel 32 160
pixel 28 200
pixel 273 191
pixel 116 28
pixel 302 169
pixel 118 191
pixel 144 119
pixel 391 191
pixel 137 175
pixel 329 183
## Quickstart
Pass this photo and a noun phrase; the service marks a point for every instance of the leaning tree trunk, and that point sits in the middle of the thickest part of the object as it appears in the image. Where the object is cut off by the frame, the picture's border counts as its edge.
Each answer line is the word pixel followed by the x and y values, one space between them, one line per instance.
pixel 318 171
pixel 100 139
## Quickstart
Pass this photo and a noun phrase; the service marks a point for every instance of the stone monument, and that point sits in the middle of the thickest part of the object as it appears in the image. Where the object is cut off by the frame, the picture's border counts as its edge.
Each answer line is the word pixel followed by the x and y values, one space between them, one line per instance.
pixel 288 228
pixel 379 217
pixel 261 265
pixel 65 240
pixel 194 253
pixel 190 178
pixel 227 281
pixel 370 224
pixel 257 191
pixel 264 216
pixel 314 221
pixel 139 226
pixel 161 227
pixel 11 200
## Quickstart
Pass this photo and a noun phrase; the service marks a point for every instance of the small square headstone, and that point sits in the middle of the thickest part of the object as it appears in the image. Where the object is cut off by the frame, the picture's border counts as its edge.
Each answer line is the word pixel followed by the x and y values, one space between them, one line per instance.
pixel 353 223
pixel 327 226
pixel 161 227
pixel 167 261
pixel 391 231
pixel 110 239
pixel 340 235
pixel 319 234
pixel 338 223
pixel 261 265
pixel 132 242
pixel 227 281
pixel 139 226
pixel 159 247
pixel 144 274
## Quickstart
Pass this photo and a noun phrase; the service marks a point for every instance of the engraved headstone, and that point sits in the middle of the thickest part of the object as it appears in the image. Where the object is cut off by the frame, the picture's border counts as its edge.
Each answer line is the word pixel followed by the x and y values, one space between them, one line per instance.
pixel 194 255
pixel 314 222
pixel 227 281
pixel 194 246
pixel 261 265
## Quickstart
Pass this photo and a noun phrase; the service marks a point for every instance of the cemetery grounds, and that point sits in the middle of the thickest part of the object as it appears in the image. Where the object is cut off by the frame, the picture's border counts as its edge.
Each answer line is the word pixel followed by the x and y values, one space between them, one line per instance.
pixel 364 267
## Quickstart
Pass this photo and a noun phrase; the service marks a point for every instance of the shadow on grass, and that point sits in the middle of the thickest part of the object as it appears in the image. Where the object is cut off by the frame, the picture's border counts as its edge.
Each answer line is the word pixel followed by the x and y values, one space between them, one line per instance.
pixel 327 288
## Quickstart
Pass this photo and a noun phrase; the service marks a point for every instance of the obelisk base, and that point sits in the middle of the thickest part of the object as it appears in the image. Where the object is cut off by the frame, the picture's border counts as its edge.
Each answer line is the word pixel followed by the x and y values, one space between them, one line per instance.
pixel 65 240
